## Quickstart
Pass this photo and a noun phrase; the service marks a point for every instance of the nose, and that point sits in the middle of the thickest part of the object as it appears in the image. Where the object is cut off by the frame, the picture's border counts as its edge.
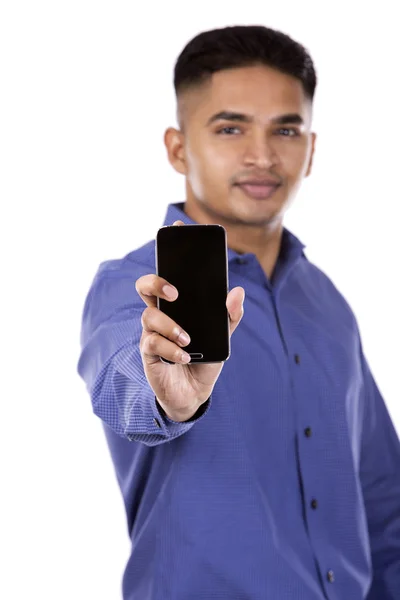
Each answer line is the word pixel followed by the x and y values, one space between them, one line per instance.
pixel 259 151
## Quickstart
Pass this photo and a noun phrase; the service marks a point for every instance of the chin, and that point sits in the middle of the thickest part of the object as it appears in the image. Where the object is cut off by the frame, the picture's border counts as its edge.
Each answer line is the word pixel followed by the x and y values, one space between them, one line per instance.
pixel 258 213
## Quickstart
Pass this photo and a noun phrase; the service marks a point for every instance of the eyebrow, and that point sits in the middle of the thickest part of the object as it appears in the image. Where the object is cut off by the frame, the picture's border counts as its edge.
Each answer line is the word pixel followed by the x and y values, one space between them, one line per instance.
pixel 225 115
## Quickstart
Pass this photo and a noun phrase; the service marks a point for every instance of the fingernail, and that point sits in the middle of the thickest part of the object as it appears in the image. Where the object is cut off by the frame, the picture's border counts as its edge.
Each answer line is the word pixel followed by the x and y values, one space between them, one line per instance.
pixel 170 291
pixel 184 338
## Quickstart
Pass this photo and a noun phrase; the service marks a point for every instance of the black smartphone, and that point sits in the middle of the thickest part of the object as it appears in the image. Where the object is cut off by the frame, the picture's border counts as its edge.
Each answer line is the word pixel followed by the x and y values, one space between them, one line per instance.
pixel 194 259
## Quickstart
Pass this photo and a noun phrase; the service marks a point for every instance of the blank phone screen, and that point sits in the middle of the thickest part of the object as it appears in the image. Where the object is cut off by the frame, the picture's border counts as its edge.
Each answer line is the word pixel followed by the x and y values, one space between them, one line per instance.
pixel 193 258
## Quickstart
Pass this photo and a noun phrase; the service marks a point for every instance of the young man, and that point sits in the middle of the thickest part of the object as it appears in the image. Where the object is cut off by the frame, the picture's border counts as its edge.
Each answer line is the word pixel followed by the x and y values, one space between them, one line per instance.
pixel 278 475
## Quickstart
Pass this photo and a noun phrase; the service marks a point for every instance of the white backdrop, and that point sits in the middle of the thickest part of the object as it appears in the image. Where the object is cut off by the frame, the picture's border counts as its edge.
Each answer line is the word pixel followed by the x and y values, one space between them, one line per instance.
pixel 86 94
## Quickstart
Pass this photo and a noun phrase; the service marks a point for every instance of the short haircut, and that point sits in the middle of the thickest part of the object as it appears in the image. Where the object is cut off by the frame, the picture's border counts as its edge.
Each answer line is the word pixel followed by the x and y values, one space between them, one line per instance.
pixel 242 46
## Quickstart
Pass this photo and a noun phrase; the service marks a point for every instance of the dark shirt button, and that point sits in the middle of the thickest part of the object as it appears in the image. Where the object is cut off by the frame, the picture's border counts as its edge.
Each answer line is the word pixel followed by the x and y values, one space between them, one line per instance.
pixel 156 422
pixel 297 359
pixel 242 261
pixel 314 503
pixel 308 432
pixel 330 576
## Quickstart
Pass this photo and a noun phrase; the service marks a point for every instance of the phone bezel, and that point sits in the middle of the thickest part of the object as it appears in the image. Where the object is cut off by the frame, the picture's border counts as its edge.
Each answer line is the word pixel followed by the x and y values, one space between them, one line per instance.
pixel 197 361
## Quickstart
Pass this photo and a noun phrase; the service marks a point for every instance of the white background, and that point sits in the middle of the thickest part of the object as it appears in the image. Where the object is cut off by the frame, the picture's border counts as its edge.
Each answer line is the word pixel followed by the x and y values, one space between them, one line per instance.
pixel 86 94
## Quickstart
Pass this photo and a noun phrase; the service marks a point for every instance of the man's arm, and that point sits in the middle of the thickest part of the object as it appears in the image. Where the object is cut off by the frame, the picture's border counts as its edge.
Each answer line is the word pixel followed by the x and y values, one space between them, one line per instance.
pixel 380 480
pixel 111 364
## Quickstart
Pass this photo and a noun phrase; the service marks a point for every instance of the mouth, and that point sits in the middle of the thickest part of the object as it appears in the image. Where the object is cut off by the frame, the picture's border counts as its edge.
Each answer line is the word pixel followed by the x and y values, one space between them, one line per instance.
pixel 258 191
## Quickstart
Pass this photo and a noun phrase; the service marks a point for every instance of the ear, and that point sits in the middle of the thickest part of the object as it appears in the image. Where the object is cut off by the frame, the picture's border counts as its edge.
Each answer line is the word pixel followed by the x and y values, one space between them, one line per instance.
pixel 313 138
pixel 174 143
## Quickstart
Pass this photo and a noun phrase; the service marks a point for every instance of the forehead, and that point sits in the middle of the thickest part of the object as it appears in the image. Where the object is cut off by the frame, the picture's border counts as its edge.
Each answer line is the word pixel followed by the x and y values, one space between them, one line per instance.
pixel 259 91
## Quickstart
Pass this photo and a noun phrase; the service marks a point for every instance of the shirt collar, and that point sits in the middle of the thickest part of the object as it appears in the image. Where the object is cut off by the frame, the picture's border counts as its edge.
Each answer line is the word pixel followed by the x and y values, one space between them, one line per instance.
pixel 291 246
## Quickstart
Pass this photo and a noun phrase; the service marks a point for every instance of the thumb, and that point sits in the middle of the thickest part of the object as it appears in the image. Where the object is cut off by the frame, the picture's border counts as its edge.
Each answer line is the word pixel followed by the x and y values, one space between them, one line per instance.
pixel 234 304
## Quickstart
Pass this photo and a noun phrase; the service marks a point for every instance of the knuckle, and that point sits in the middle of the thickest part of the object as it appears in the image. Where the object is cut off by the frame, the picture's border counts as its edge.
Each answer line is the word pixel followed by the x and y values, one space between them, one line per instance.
pixel 149 314
pixel 151 343
pixel 153 339
pixel 145 314
pixel 143 347
pixel 142 344
pixel 144 318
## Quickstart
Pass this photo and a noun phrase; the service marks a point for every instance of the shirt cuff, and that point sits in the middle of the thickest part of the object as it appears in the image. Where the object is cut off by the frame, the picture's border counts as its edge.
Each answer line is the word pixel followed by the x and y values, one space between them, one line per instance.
pixel 201 411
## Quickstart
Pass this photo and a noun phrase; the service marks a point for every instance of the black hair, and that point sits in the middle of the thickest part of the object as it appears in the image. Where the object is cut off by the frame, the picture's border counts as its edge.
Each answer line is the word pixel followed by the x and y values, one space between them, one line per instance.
pixel 241 46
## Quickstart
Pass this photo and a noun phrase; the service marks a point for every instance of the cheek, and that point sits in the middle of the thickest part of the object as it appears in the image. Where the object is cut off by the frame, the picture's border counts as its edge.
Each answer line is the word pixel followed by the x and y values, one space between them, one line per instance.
pixel 209 166
pixel 294 161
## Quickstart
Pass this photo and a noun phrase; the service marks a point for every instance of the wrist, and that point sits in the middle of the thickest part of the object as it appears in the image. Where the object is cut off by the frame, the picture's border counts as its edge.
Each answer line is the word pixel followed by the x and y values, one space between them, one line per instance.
pixel 178 416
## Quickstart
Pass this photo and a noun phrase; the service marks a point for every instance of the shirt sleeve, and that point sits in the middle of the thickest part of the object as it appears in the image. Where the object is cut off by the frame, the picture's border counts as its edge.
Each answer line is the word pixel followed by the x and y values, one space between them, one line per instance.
pixel 111 365
pixel 380 480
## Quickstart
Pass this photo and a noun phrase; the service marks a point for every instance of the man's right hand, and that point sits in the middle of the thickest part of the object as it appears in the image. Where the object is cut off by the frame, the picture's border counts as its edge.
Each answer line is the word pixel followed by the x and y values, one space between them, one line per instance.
pixel 180 388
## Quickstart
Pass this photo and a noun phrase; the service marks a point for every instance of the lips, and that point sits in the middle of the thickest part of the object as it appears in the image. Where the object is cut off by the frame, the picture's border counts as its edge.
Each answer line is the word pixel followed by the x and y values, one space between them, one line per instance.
pixel 259 190
pixel 259 181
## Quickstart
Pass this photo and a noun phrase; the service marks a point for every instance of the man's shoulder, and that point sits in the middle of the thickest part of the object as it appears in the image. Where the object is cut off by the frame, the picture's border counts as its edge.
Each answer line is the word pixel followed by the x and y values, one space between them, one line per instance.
pixel 137 262
pixel 323 288
pixel 115 279
pixel 112 293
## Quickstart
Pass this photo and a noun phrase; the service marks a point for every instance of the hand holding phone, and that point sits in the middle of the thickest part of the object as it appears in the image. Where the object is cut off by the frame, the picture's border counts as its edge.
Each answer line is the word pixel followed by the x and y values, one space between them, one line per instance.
pixel 181 387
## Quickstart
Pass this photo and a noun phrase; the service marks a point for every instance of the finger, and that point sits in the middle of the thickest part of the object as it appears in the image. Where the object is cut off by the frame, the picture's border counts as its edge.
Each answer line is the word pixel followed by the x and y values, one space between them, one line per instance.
pixel 154 346
pixel 234 304
pixel 155 321
pixel 150 287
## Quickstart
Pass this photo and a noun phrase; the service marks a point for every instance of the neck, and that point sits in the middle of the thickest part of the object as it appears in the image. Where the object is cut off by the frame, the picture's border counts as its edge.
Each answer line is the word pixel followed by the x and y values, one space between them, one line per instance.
pixel 263 241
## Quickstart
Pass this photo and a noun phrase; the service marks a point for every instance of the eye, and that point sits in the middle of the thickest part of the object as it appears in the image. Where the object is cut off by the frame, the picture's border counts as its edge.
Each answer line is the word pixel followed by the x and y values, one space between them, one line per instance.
pixel 227 130
pixel 290 129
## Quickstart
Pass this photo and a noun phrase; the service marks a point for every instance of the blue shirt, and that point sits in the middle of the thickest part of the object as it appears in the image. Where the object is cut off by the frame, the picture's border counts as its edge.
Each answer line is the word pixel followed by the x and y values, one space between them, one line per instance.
pixel 286 483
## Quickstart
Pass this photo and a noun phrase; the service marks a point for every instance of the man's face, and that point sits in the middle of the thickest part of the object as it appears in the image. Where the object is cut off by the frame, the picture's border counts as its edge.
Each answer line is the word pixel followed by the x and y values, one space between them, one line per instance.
pixel 229 136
